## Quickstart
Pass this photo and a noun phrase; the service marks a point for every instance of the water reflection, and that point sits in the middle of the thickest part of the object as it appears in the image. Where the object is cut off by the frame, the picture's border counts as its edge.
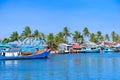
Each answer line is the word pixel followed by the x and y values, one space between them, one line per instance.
pixel 63 67
pixel 9 62
pixel 86 68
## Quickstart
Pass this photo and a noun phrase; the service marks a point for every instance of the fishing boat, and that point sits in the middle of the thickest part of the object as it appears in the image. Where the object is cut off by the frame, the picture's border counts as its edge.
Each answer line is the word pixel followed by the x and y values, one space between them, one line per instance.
pixel 16 53
pixel 90 50
pixel 65 48
pixel 106 50
pixel 90 47
pixel 16 56
pixel 76 48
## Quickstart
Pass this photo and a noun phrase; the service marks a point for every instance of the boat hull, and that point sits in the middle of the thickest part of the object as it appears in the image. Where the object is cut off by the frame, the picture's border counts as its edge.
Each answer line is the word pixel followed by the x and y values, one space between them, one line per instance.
pixel 34 56
pixel 108 50
pixel 90 51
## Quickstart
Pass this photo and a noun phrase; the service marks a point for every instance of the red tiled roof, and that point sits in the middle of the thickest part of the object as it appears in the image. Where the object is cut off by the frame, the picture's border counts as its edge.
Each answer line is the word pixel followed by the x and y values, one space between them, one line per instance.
pixel 77 46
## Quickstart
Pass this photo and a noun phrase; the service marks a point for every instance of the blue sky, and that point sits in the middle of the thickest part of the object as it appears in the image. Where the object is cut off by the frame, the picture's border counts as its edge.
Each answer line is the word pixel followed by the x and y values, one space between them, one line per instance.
pixel 53 15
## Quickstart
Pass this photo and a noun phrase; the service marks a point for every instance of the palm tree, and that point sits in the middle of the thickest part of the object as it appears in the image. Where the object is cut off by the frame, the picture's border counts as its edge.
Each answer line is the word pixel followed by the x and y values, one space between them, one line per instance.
pixel 61 34
pixel 26 35
pixel 36 33
pixel 50 40
pixel 27 32
pixel 107 37
pixel 93 37
pixel 43 36
pixel 77 37
pixel 82 39
pixel 6 40
pixel 117 38
pixel 86 32
pixel 14 36
pixel 66 33
pixel 113 36
pixel 59 38
pixel 99 36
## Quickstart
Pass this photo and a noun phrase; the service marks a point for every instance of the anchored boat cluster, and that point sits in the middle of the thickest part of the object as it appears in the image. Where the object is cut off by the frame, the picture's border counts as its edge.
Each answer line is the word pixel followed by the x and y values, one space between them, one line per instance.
pixel 88 47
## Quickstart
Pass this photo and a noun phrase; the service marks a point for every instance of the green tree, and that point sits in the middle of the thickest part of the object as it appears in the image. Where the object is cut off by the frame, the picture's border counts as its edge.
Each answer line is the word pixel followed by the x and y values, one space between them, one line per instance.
pixel 113 36
pixel 14 36
pixel 82 39
pixel 36 33
pixel 93 38
pixel 117 38
pixel 6 40
pixel 59 38
pixel 86 32
pixel 77 37
pixel 43 36
pixel 50 40
pixel 66 33
pixel 26 33
pixel 107 37
pixel 60 34
pixel 27 36
pixel 99 36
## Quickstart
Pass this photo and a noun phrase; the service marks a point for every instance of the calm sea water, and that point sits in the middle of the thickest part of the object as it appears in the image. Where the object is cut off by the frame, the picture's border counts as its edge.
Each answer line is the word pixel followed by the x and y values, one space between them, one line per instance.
pixel 63 67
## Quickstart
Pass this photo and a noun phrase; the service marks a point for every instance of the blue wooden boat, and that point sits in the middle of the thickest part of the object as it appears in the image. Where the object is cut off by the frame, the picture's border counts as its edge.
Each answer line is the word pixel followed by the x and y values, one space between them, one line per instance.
pixel 106 50
pixel 90 50
pixel 16 56
pixel 28 52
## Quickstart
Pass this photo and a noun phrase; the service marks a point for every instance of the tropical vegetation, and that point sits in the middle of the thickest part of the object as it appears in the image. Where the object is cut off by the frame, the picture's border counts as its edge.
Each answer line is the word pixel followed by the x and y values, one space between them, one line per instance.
pixel 54 40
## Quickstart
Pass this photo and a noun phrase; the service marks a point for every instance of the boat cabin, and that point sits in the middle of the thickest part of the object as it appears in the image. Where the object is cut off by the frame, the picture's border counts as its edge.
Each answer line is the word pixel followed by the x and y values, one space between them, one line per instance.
pixel 65 48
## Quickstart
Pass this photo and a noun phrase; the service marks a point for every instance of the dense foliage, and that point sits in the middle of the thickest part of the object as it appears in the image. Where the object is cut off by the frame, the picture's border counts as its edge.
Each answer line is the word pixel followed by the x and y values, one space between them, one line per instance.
pixel 62 37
